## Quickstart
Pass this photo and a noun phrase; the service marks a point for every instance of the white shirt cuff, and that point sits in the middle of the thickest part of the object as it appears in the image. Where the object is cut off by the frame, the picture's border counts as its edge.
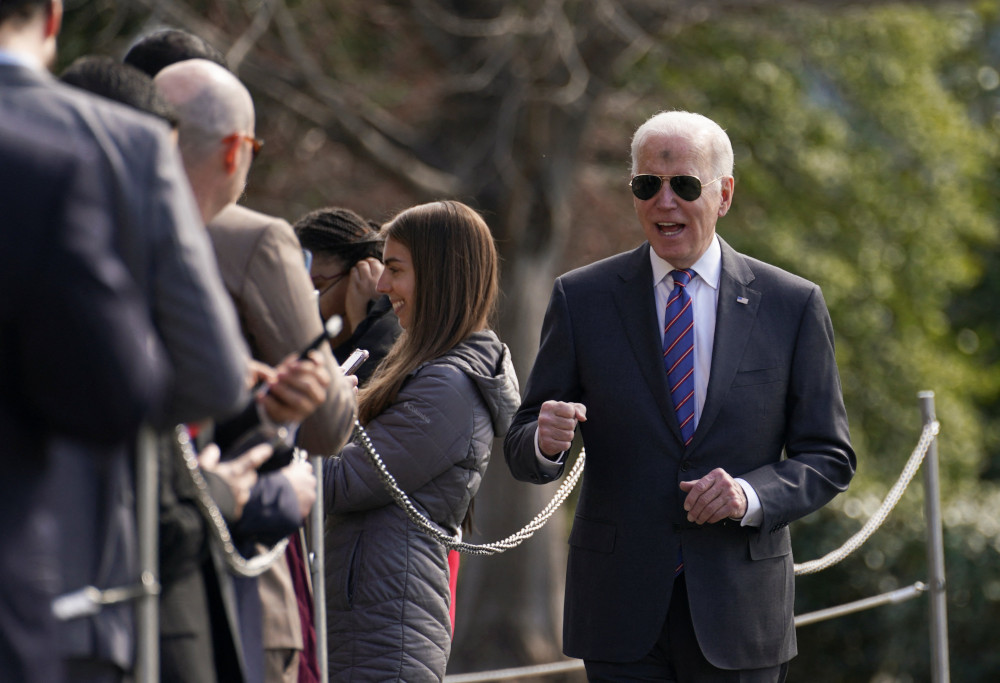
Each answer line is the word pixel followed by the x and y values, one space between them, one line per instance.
pixel 755 513
pixel 548 465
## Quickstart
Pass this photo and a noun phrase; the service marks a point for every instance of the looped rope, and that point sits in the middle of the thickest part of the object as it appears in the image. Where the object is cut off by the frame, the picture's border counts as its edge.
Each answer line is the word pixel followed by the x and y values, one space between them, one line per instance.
pixel 451 542
pixel 928 435
pixel 236 563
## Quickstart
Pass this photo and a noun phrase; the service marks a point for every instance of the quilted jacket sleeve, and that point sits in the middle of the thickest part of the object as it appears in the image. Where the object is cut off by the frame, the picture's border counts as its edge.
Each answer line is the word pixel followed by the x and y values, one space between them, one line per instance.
pixel 424 433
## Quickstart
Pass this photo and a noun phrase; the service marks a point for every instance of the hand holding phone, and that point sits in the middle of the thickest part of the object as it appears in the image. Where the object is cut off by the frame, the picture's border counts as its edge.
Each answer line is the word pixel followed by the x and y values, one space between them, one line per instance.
pixel 354 361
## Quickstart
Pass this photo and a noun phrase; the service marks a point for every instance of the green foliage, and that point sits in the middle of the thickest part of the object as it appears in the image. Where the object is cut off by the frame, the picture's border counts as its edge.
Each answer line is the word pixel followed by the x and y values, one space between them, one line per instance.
pixel 864 162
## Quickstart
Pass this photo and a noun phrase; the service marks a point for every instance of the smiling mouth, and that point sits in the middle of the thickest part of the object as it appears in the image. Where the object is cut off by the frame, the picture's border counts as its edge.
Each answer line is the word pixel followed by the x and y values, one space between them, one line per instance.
pixel 396 305
pixel 670 229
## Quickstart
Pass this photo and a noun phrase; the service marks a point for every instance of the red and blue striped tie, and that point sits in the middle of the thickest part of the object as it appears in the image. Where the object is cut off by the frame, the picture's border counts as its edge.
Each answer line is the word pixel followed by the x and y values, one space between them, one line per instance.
pixel 678 351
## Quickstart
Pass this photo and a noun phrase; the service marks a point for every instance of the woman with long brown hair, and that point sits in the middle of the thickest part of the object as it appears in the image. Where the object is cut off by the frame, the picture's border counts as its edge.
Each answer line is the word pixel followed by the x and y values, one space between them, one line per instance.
pixel 445 390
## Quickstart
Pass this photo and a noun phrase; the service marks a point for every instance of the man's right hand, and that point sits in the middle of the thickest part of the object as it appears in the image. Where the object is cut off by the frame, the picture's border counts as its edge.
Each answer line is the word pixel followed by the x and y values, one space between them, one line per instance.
pixel 239 473
pixel 295 389
pixel 557 422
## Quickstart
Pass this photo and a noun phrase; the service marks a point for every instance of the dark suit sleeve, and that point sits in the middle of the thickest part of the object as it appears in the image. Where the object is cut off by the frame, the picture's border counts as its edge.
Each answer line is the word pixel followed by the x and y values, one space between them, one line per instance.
pixel 820 461
pixel 271 513
pixel 555 377
pixel 90 362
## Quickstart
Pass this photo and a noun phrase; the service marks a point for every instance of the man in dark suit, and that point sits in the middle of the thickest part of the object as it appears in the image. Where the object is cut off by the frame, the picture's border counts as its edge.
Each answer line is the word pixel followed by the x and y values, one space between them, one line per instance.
pixel 160 238
pixel 707 394
pixel 159 235
pixel 78 359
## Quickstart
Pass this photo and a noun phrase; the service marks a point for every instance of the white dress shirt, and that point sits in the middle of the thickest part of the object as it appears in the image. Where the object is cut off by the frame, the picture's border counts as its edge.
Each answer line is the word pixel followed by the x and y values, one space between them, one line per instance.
pixel 20 59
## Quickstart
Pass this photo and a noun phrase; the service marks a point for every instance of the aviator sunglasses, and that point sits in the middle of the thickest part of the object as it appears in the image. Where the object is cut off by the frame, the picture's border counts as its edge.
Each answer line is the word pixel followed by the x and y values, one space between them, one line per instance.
pixel 687 187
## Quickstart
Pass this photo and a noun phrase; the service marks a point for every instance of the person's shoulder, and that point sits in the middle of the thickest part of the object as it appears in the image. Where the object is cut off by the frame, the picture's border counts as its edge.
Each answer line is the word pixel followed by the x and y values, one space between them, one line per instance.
pixel 624 264
pixel 239 218
pixel 766 277
pixel 60 105
pixel 770 274
pixel 440 382
pixel 118 119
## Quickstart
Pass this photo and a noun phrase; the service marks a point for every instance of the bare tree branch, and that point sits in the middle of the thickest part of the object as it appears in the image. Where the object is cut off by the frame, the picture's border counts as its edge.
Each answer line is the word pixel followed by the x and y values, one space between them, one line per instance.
pixel 390 154
pixel 242 45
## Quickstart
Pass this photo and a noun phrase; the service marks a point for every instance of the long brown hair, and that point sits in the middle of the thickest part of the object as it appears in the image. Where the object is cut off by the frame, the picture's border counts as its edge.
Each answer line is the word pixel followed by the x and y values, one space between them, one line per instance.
pixel 456 283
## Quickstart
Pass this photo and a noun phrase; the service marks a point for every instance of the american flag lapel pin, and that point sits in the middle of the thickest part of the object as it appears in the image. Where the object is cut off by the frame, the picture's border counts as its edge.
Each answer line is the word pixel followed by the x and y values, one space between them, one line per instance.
pixel 742 300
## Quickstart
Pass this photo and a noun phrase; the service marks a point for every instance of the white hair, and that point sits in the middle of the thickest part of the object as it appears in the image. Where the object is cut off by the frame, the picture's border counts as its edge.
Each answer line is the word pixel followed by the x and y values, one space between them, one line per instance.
pixel 701 130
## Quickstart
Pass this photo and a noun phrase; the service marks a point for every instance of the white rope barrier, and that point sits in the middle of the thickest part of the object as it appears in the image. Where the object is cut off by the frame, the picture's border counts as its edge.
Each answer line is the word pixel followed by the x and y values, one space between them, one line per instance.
pixel 451 542
pixel 927 436
pixel 218 529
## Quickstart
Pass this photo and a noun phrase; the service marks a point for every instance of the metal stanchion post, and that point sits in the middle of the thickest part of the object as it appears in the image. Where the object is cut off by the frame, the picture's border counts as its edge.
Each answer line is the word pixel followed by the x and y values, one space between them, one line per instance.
pixel 318 571
pixel 147 667
pixel 935 551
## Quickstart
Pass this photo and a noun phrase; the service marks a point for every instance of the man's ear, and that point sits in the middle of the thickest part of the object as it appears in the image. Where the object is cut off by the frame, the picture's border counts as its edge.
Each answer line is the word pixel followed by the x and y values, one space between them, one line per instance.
pixel 53 18
pixel 728 185
pixel 232 148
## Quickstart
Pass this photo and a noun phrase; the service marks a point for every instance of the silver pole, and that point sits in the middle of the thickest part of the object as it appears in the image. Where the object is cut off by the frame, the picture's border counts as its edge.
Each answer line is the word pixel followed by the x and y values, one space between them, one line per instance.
pixel 318 571
pixel 147 522
pixel 935 551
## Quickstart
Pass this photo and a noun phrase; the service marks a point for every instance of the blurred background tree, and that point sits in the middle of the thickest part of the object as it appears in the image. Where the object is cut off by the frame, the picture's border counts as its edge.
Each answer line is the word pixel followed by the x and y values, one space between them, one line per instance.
pixel 866 161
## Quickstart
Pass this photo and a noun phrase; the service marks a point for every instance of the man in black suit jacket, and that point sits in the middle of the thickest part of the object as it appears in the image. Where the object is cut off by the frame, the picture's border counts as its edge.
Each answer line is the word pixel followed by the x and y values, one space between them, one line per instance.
pixel 160 237
pixel 680 564
pixel 78 358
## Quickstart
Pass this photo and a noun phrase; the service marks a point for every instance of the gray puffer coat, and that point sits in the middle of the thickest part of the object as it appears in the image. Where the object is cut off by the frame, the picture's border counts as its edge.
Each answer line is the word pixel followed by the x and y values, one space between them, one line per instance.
pixel 386 581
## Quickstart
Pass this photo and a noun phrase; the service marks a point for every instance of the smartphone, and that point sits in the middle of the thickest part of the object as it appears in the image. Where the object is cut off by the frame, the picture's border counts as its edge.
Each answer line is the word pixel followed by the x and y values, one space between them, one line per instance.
pixel 354 361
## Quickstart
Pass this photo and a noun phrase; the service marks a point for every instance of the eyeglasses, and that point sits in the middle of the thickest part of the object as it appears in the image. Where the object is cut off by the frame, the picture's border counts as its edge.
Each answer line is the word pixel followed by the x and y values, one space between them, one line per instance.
pixel 687 187
pixel 330 281
pixel 254 142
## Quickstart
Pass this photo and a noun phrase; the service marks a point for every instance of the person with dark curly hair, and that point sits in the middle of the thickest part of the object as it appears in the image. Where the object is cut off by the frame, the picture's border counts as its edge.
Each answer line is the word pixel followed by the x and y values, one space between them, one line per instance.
pixel 346 264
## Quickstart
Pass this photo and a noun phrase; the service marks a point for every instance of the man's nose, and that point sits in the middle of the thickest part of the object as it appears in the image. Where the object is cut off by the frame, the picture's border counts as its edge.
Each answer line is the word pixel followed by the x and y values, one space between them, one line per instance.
pixel 666 196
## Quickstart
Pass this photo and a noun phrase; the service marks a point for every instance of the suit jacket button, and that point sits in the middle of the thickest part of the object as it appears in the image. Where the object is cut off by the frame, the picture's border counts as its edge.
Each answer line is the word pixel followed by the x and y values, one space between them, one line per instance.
pixel 685 465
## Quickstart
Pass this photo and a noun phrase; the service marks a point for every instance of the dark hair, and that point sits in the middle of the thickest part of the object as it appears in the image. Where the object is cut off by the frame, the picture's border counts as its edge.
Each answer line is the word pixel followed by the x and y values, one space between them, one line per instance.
pixel 335 231
pixel 119 82
pixel 158 50
pixel 456 283
pixel 20 9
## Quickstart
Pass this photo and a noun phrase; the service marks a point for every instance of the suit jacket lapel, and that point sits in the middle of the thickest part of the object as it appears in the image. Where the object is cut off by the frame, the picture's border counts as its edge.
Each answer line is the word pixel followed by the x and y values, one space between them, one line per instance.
pixel 735 316
pixel 636 303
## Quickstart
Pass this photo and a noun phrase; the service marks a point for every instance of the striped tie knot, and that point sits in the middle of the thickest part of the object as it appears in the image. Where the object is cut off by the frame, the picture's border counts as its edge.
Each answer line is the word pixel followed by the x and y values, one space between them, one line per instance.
pixel 682 277
pixel 678 352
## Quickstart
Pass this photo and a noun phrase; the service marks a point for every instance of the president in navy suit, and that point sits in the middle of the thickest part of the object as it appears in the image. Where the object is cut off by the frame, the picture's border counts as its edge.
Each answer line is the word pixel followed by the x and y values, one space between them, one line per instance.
pixel 680 565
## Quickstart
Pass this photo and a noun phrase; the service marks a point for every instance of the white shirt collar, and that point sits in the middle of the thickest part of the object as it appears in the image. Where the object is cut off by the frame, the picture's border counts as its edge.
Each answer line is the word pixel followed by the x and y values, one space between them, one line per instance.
pixel 20 59
pixel 708 267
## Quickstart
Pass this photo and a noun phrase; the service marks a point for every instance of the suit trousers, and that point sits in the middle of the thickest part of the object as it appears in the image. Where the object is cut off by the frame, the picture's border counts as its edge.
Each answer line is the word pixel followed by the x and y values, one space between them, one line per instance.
pixel 676 657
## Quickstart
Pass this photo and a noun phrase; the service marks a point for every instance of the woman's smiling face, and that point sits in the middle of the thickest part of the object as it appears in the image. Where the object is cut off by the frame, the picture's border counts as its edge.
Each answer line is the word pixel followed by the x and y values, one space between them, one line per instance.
pixel 398 280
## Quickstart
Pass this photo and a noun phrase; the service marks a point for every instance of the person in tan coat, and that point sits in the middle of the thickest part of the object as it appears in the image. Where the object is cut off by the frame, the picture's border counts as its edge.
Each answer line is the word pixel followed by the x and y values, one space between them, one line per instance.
pixel 264 271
